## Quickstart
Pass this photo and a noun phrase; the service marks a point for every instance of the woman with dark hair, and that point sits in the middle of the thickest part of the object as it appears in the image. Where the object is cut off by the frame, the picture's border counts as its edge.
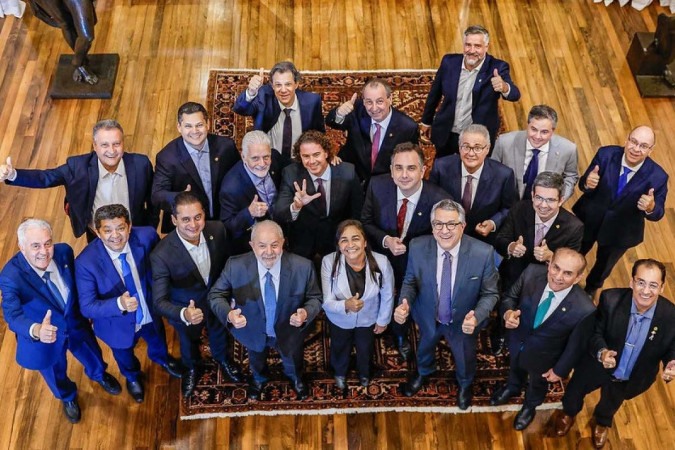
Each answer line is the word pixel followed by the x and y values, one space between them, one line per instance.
pixel 358 296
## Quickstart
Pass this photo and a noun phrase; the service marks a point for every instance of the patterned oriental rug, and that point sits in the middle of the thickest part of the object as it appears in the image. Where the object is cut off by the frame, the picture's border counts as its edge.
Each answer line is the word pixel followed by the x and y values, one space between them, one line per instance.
pixel 215 396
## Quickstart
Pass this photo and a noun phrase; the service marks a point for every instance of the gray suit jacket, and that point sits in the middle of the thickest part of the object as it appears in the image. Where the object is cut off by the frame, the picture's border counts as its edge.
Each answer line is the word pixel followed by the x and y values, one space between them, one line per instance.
pixel 562 158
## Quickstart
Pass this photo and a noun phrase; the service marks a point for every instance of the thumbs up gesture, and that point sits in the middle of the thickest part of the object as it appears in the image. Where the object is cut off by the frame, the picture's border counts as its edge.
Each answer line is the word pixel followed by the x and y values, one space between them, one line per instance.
pixel 516 248
pixel 193 314
pixel 542 252
pixel 401 312
pixel 512 319
pixel 347 107
pixel 7 170
pixel 354 304
pixel 646 202
pixel 299 317
pixel 257 208
pixel 236 318
pixel 470 323
pixel 608 359
pixel 129 303
pixel 593 178
pixel 669 371
pixel 498 83
pixel 255 82
pixel 46 331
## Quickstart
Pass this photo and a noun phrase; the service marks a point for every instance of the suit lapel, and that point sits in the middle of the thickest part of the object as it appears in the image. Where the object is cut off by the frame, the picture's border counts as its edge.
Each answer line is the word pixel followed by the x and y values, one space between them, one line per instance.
pixel 461 274
pixel 481 79
pixel 189 165
pixel 284 283
pixel 140 260
pixel 37 283
pixel 131 179
pixel 520 146
pixel 485 189
pixel 622 318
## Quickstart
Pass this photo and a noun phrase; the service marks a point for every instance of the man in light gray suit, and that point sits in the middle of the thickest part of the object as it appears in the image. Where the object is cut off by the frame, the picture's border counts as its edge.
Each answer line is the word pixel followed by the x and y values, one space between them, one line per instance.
pixel 536 150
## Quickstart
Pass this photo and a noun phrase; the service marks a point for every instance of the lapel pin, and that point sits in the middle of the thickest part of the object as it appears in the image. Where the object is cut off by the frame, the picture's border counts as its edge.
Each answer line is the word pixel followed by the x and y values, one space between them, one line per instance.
pixel 419 213
pixel 65 266
pixel 480 79
pixel 557 226
pixel 216 159
pixel 564 309
pixel 391 134
pixel 210 238
pixel 653 333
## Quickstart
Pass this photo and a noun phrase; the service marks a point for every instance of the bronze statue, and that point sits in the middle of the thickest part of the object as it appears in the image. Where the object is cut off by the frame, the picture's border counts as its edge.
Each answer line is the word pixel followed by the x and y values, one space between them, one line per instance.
pixel 76 19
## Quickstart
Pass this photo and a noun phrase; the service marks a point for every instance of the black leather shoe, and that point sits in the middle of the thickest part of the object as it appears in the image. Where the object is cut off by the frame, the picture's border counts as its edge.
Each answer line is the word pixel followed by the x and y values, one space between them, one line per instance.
pixel 110 384
pixel 188 382
pixel 524 417
pixel 255 389
pixel 502 395
pixel 414 385
pixel 464 397
pixel 174 367
pixel 231 370
pixel 365 381
pixel 300 389
pixel 135 388
pixel 72 411
pixel 403 345
pixel 340 383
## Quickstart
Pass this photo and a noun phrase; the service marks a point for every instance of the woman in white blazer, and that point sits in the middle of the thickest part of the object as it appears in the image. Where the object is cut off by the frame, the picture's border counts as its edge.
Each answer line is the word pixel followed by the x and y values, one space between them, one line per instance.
pixel 358 297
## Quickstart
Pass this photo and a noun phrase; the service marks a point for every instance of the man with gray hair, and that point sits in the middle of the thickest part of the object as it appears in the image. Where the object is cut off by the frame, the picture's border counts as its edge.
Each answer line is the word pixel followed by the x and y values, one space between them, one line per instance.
pixel 450 288
pixel 105 176
pixel 470 85
pixel 249 189
pixel 536 150
pixel 39 302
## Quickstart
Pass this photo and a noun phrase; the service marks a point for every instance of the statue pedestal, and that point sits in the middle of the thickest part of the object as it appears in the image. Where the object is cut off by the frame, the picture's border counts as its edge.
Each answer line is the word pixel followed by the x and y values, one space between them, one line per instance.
pixel 103 65
pixel 647 67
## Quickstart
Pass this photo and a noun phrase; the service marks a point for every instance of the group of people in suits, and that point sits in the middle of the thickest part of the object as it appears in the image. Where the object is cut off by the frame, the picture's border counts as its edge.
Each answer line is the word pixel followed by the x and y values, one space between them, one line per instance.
pixel 247 233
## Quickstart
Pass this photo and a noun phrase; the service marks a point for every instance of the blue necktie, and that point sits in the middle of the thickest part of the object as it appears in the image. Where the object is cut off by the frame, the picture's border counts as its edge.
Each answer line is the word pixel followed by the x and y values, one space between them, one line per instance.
pixel 53 289
pixel 270 305
pixel 130 285
pixel 542 309
pixel 627 360
pixel 531 173
pixel 445 298
pixel 623 180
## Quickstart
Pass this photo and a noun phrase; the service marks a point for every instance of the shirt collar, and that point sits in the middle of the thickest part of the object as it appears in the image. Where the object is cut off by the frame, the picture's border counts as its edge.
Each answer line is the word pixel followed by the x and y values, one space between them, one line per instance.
pixel 115 255
pixel 188 245
pixel 255 178
pixel 275 270
pixel 476 69
pixel 624 163
pixel 414 198
pixel 103 172
pixel 454 251
pixel 560 295
pixel 385 122
pixel 293 107
pixel 548 223
pixel 475 175
pixel 50 268
pixel 543 149
pixel 649 314
pixel 193 150
pixel 325 176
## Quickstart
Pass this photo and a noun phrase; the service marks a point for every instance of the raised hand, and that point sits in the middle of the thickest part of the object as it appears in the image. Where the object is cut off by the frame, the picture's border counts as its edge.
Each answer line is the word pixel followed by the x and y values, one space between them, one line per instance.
pixel 347 107
pixel 512 319
pixel 542 252
pixel 255 82
pixel 516 248
pixel 484 228
pixel 193 314
pixel 236 318
pixel 395 245
pixel 402 311
pixel 593 178
pixel 257 208
pixel 6 170
pixel 46 331
pixel 646 202
pixel 301 197
pixel 470 323
pixel 354 304
pixel 497 82
pixel 299 317
pixel 129 303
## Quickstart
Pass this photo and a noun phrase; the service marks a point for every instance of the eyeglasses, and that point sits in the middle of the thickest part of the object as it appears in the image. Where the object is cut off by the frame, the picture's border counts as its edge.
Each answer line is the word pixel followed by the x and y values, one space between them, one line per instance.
pixel 476 149
pixel 642 284
pixel 548 201
pixel 643 147
pixel 451 226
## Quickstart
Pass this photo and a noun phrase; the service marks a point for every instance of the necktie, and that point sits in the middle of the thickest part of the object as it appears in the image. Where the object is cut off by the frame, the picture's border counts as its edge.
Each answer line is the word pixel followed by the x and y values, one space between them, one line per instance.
pixel 539 234
pixel 323 206
pixel 287 136
pixel 53 289
pixel 375 147
pixel 623 179
pixel 466 195
pixel 270 305
pixel 400 218
pixel 531 173
pixel 542 309
pixel 130 285
pixel 633 334
pixel 445 298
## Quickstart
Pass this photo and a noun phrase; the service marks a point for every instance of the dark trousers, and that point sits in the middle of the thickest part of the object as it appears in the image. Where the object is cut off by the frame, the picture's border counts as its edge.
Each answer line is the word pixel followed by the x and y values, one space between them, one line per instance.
pixel 341 342
pixel 129 365
pixel 536 390
pixel 462 346
pixel 292 363
pixel 606 258
pixel 189 338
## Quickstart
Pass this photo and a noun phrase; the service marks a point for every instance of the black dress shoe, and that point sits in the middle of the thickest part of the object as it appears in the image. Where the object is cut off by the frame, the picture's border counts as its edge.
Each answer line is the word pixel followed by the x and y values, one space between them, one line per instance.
pixel 300 389
pixel 403 345
pixel 231 370
pixel 255 389
pixel 502 395
pixel 414 385
pixel 110 384
pixel 135 388
pixel 365 381
pixel 72 411
pixel 174 367
pixel 524 417
pixel 188 382
pixel 464 397
pixel 340 383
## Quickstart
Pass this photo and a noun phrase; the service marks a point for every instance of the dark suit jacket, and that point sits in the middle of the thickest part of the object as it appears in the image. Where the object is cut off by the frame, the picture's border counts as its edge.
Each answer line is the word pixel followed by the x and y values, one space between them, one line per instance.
pixel 357 149
pixel 99 286
pixel 380 212
pixel 265 109
pixel 174 170
pixel 485 99
pixel 236 194
pixel 311 232
pixel 80 177
pixel 561 339
pixel 25 301
pixel 496 191
pixel 610 332
pixel 474 288
pixel 566 231
pixel 614 220
pixel 239 287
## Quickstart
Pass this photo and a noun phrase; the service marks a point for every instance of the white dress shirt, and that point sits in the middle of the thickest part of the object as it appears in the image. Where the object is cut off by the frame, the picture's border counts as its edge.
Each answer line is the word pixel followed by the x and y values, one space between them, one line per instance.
pixel 112 188
pixel 558 297
pixel 276 133
pixel 202 258
pixel 541 159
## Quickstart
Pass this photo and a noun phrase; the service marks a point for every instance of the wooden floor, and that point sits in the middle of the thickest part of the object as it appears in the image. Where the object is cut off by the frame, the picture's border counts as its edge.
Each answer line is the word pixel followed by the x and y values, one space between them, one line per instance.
pixel 569 54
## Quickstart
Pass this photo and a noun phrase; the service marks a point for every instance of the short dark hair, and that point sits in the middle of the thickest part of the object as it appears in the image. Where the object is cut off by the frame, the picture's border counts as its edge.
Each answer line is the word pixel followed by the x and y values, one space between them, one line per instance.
pixel 404 147
pixel 191 108
pixel 283 67
pixel 184 198
pixel 551 180
pixel 543 112
pixel 649 263
pixel 375 272
pixel 312 137
pixel 110 212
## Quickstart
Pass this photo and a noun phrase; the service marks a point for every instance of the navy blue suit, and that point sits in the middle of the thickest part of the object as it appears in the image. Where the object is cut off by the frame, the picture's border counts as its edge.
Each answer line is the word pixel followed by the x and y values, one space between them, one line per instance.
pixel 614 221
pixel 25 301
pixel 79 175
pixel 474 288
pixel 557 343
pixel 496 191
pixel 174 170
pixel 357 149
pixel 100 285
pixel 485 99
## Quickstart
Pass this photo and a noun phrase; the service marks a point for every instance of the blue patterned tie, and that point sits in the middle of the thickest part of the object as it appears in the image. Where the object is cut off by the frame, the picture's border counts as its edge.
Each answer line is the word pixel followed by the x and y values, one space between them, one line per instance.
pixel 623 180
pixel 130 285
pixel 270 305
pixel 53 289
pixel 531 173
pixel 445 297
pixel 542 309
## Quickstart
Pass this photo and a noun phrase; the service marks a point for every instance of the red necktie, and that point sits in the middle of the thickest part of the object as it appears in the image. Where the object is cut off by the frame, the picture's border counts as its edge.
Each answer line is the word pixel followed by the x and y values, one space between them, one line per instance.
pixel 400 219
pixel 375 148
